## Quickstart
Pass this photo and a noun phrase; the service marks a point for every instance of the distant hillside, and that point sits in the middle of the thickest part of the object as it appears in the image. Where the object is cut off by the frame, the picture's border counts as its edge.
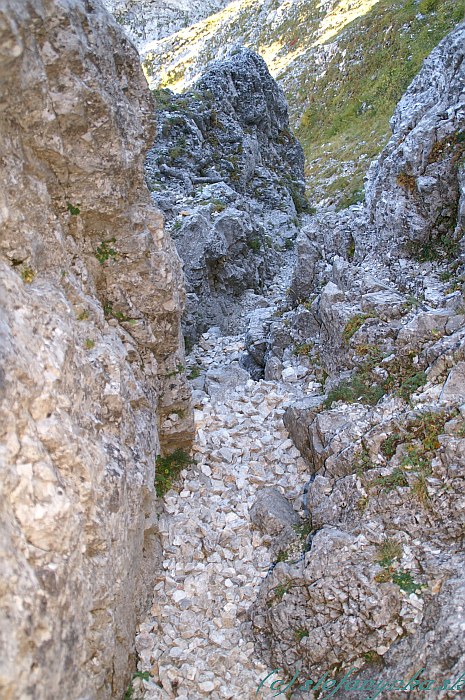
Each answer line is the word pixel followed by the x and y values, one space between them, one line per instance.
pixel 343 66
pixel 149 20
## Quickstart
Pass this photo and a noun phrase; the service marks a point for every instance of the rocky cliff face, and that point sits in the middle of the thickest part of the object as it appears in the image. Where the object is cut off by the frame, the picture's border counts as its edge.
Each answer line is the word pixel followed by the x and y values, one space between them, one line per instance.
pixel 228 173
pixel 92 386
pixel 342 66
pixel 150 20
pixel 378 319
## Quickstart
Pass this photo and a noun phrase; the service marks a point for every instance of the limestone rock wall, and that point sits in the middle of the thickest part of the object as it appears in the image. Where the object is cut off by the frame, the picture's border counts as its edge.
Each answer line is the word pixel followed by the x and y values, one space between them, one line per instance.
pixel 377 328
pixel 148 20
pixel 91 370
pixel 229 175
pixel 414 188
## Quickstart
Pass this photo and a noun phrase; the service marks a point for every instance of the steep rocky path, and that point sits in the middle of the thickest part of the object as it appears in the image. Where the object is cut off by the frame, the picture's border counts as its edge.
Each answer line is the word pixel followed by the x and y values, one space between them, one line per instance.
pixel 195 642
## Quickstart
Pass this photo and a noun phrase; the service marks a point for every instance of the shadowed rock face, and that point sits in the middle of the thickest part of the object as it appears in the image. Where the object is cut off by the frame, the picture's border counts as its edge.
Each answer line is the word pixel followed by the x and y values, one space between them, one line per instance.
pixel 91 297
pixel 229 175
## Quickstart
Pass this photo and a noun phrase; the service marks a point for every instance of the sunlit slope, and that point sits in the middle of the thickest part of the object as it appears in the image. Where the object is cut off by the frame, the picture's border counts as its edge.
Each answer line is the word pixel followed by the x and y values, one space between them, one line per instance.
pixel 343 66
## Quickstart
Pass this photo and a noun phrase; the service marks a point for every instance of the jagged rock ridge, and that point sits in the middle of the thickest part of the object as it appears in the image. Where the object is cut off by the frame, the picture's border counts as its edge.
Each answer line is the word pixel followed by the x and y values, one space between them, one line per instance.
pixel 342 66
pixel 91 349
pixel 229 175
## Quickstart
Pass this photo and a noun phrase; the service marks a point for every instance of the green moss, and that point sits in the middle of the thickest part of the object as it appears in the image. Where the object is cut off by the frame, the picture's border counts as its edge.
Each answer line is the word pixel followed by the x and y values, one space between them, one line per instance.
pixel 168 469
pixel 27 274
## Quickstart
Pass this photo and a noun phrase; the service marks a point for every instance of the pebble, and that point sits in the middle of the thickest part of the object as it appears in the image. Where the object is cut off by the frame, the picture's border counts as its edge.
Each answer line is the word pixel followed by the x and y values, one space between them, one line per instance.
pixel 213 562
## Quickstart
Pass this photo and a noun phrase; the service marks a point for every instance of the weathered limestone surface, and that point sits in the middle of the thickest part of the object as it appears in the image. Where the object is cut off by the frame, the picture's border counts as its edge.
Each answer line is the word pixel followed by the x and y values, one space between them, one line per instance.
pixel 378 317
pixel 148 20
pixel 229 175
pixel 91 296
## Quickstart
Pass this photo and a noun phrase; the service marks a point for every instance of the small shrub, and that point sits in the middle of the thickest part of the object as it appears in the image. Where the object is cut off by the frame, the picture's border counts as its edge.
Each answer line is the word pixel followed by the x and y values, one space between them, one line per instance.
pixel 73 210
pixel 179 370
pixel 350 249
pixel 105 251
pixel 83 316
pixel 444 247
pixel 301 203
pixel 392 481
pixel 411 384
pixel 405 581
pixel 420 490
pixel 145 675
pixel 283 555
pixel 357 389
pixel 362 462
pixel 389 446
pixel 195 372
pixel 300 633
pixel 281 589
pixel 303 530
pixel 254 244
pixel 355 197
pixel 89 344
pixel 168 469
pixel 303 349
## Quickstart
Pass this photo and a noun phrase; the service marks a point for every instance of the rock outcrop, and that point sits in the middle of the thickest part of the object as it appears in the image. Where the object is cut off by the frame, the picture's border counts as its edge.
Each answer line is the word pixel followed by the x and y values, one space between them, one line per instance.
pixel 146 21
pixel 335 62
pixel 377 316
pixel 229 175
pixel 91 377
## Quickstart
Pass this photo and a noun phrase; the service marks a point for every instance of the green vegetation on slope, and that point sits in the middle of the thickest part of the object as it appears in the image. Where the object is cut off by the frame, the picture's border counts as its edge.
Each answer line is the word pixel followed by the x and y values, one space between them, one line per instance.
pixel 357 96
pixel 343 65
